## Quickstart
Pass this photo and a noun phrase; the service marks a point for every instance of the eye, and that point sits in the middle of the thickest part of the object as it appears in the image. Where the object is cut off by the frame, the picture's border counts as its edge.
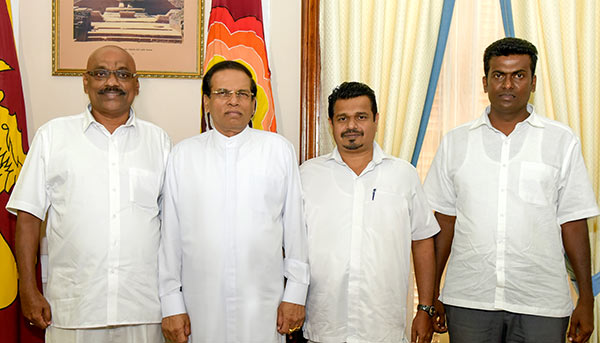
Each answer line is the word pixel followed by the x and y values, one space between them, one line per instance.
pixel 341 118
pixel 100 73
pixel 363 117
pixel 243 94
pixel 520 75
pixel 123 74
pixel 222 93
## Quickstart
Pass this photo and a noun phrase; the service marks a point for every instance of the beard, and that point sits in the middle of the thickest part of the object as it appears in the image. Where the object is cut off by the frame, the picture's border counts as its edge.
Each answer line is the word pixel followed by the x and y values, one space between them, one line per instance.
pixel 353 145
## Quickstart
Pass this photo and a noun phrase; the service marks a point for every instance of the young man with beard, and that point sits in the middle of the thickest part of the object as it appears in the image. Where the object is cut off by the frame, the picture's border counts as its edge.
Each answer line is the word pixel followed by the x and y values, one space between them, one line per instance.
pixel 365 213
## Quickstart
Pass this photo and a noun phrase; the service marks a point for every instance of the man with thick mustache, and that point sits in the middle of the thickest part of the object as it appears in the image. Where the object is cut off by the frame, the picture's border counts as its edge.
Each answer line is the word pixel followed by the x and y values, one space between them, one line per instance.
pixel 96 177
pixel 365 213
pixel 511 194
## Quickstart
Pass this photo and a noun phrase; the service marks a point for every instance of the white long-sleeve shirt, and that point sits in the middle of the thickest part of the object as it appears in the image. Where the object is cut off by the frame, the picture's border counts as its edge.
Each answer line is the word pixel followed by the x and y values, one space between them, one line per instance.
pixel 101 193
pixel 231 204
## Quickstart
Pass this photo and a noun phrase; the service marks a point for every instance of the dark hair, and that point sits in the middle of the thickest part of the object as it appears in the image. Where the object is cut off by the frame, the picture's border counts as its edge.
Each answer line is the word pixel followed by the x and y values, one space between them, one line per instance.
pixel 225 65
pixel 350 90
pixel 509 46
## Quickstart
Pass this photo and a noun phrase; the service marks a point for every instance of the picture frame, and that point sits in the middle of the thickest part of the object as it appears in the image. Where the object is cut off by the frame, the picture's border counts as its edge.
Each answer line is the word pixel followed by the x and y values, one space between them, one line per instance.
pixel 152 31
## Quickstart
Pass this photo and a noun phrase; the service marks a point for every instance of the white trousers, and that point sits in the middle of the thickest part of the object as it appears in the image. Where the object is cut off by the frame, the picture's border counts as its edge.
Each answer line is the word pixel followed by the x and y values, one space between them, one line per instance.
pixel 146 333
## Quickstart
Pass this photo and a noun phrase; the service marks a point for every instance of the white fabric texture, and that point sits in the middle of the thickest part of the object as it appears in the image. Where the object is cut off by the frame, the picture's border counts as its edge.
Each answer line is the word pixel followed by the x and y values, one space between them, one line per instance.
pixel 360 230
pixel 101 192
pixel 146 333
pixel 510 194
pixel 230 205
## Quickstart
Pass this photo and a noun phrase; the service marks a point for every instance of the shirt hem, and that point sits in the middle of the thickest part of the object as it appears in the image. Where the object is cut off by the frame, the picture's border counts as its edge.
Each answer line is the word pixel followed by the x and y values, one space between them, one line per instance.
pixel 520 309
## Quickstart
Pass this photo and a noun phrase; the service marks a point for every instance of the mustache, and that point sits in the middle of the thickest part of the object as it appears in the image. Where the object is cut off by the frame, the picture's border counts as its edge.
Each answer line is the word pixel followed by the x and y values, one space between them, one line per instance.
pixel 112 89
pixel 350 131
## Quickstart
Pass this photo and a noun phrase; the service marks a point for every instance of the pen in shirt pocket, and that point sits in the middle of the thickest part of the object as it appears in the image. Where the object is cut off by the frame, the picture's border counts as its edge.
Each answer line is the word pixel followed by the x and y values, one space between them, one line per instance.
pixel 373 195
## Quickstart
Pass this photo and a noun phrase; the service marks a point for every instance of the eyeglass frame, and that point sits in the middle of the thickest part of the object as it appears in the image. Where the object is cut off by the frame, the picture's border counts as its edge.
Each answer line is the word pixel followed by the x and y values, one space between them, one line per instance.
pixel 226 94
pixel 111 72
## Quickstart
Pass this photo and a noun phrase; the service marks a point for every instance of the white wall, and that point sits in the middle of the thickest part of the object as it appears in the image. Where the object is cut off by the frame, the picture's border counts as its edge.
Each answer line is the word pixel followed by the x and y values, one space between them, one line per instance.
pixel 172 104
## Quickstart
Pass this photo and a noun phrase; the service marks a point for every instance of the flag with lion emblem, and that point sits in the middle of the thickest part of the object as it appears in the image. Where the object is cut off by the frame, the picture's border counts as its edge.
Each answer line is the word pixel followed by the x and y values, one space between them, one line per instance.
pixel 13 144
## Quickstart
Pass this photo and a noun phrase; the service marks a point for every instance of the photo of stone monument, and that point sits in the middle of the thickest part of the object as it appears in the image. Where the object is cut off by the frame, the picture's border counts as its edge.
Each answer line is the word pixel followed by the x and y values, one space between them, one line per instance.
pixel 148 21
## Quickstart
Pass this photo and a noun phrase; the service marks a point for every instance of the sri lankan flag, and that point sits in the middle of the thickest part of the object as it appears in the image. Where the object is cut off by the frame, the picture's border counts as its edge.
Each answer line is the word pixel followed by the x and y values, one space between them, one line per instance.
pixel 235 32
pixel 13 142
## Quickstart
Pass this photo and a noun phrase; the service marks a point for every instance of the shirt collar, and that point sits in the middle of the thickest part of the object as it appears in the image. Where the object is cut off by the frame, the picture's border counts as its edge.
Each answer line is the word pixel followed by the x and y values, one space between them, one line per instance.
pixel 88 118
pixel 533 118
pixel 232 141
pixel 378 155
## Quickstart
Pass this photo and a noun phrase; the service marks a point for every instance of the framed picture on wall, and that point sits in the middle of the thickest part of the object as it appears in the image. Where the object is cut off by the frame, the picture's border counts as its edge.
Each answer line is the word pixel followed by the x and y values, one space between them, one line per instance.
pixel 165 37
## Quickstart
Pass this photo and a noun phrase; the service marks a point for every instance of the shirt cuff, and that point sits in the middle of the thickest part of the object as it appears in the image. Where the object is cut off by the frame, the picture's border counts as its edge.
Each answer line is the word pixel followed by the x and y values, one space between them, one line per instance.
pixel 295 292
pixel 172 304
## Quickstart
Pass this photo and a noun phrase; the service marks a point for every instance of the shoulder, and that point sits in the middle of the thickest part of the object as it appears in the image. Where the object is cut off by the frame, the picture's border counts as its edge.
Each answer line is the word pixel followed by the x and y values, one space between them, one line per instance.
pixel 191 143
pixel 398 167
pixel 460 131
pixel 63 121
pixel 556 129
pixel 65 125
pixel 270 138
pixel 315 164
pixel 150 127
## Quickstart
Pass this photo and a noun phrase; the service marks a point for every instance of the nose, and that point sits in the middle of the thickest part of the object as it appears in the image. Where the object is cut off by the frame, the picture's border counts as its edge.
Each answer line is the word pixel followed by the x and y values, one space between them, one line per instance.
pixel 352 124
pixel 507 83
pixel 112 79
pixel 233 100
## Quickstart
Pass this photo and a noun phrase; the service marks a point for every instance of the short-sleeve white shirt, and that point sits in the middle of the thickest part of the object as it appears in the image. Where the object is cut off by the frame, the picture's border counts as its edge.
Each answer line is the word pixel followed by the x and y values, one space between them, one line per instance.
pixel 101 195
pixel 510 194
pixel 360 230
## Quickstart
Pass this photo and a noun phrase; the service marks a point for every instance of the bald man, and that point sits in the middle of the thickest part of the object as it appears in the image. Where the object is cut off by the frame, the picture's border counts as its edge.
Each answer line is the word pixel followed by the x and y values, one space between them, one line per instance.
pixel 96 177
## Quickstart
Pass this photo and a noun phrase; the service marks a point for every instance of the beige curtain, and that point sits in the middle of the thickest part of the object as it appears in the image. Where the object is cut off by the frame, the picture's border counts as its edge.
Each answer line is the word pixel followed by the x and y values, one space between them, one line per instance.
pixel 459 96
pixel 388 45
pixel 567 35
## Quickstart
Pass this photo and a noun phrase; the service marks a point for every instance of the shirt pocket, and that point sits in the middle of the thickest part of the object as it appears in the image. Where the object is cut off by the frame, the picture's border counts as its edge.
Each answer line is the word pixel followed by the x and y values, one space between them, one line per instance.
pixel 537 183
pixel 143 187
pixel 387 209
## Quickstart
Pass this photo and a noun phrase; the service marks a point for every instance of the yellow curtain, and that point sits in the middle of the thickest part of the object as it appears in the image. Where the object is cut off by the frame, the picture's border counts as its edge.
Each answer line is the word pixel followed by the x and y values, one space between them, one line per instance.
pixel 567 35
pixel 388 45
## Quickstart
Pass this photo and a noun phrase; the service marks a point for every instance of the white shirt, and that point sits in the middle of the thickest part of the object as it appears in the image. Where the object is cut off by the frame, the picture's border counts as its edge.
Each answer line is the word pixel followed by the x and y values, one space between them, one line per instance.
pixel 360 230
pixel 101 193
pixel 231 204
pixel 510 194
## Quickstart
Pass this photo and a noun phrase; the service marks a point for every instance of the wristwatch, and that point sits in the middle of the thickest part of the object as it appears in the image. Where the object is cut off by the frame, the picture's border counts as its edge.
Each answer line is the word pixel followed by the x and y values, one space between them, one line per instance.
pixel 430 310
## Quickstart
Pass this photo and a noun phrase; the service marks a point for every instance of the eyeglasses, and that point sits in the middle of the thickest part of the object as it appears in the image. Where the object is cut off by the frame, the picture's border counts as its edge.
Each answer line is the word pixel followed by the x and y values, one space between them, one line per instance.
pixel 226 94
pixel 104 74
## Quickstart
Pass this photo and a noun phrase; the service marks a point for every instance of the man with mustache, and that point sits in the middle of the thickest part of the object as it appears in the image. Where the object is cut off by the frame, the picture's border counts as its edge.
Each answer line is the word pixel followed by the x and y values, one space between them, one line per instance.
pixel 233 256
pixel 365 213
pixel 511 194
pixel 96 177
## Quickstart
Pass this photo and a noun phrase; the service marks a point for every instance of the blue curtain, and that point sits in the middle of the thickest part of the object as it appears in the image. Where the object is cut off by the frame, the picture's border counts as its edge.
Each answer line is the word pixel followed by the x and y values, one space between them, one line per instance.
pixel 440 48
pixel 507 18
